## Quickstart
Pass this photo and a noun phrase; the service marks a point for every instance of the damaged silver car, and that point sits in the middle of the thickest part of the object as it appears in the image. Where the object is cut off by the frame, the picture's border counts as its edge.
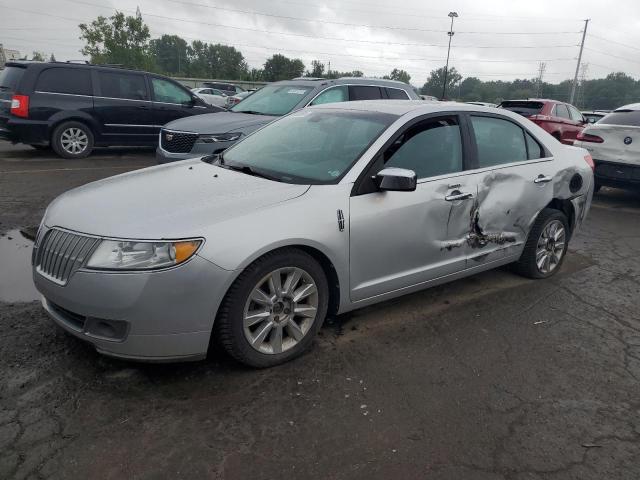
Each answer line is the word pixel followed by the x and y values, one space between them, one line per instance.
pixel 326 210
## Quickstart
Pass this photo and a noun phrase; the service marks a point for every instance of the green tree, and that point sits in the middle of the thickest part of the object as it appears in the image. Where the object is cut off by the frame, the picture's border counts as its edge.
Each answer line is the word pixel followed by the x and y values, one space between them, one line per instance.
pixel 400 75
pixel 52 58
pixel 279 67
pixel 317 69
pixel 118 39
pixel 433 85
pixel 170 54
pixel 216 61
pixel 38 57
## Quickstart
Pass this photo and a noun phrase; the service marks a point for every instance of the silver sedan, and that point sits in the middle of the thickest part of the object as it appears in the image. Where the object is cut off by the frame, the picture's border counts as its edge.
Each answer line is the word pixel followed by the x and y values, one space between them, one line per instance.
pixel 323 211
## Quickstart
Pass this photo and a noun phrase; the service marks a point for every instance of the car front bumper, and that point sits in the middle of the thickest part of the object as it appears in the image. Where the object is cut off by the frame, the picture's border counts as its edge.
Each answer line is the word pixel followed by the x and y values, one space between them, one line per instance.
pixel 165 315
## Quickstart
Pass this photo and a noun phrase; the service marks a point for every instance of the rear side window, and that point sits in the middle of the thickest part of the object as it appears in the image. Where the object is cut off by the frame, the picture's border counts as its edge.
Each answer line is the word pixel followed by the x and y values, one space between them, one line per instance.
pixel 498 141
pixel 123 85
pixel 75 81
pixel 10 77
pixel 431 148
pixel 575 115
pixel 534 149
pixel 629 118
pixel 397 94
pixel 523 108
pixel 362 92
pixel 562 111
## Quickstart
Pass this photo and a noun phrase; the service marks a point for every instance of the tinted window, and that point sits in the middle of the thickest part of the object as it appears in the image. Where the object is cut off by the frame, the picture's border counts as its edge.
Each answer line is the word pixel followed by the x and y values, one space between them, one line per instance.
pixel 358 92
pixel 576 116
pixel 561 111
pixel 273 99
pixel 431 148
pixel 169 92
pixel 65 80
pixel 122 85
pixel 523 108
pixel 397 94
pixel 332 95
pixel 309 146
pixel 9 78
pixel 498 141
pixel 622 117
pixel 533 147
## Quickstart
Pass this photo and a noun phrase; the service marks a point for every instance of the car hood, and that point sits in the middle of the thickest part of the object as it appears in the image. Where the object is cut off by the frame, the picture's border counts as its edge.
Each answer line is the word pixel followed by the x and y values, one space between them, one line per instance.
pixel 221 122
pixel 176 200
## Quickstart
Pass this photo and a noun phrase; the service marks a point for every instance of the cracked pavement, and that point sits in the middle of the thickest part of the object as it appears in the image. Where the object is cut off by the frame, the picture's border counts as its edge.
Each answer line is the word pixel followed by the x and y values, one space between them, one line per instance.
pixel 492 377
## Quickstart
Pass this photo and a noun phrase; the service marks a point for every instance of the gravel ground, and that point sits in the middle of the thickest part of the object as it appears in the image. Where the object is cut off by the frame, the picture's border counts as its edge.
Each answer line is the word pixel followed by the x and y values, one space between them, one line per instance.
pixel 491 377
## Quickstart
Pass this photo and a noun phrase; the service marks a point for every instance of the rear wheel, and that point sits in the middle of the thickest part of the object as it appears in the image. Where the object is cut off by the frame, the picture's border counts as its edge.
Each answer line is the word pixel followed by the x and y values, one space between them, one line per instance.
pixel 274 309
pixel 546 246
pixel 72 140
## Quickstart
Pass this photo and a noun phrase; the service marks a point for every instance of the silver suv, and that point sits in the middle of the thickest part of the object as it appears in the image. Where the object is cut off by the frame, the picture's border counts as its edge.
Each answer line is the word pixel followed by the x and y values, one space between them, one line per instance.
pixel 207 134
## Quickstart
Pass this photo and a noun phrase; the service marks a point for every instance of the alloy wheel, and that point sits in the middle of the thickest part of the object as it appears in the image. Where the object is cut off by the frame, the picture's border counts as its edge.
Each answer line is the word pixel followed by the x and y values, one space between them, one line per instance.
pixel 280 310
pixel 74 140
pixel 551 247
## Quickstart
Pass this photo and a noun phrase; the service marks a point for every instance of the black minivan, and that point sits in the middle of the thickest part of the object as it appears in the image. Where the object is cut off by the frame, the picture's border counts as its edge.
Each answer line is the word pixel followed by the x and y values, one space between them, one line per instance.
pixel 73 107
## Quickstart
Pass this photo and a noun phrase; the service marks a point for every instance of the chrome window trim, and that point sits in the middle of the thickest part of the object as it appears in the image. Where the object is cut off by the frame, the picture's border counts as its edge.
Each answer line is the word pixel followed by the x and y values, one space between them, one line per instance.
pixel 356 85
pixel 126 99
pixel 67 94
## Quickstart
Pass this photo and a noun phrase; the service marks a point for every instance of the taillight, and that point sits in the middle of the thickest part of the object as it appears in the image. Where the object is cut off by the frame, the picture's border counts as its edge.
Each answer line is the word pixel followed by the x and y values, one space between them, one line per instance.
pixel 20 106
pixel 589 160
pixel 586 137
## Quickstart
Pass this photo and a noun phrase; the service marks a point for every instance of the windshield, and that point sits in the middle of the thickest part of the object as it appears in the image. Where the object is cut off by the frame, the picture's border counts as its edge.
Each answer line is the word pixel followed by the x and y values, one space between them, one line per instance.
pixel 630 118
pixel 273 100
pixel 523 108
pixel 309 146
pixel 9 78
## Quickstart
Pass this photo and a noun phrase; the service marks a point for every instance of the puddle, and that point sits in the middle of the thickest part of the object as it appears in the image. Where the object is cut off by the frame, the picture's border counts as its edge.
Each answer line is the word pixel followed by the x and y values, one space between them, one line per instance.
pixel 16 284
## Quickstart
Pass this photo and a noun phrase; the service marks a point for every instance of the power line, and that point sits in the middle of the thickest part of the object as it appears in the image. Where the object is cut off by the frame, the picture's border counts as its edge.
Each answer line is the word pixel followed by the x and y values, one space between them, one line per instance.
pixel 611 55
pixel 614 42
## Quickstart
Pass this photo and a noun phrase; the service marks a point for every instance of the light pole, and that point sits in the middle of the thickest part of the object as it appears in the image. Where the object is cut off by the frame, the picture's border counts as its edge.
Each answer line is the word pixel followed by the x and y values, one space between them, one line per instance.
pixel 446 68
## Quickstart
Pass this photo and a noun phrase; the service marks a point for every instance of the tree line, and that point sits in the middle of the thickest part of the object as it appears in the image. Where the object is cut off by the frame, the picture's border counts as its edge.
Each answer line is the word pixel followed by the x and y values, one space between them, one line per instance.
pixel 126 41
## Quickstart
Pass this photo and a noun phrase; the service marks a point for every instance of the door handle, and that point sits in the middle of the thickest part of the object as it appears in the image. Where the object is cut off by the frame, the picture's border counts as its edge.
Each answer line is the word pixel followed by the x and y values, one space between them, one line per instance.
pixel 542 179
pixel 457 195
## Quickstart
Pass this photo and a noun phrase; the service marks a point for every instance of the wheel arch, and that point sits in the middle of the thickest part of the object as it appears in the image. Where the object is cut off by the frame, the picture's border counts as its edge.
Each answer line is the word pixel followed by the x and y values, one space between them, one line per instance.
pixel 72 116
pixel 566 207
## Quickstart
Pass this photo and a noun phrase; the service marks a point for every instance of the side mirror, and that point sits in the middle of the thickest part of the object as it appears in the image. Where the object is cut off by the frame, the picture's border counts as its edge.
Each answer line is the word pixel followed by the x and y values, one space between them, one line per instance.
pixel 396 180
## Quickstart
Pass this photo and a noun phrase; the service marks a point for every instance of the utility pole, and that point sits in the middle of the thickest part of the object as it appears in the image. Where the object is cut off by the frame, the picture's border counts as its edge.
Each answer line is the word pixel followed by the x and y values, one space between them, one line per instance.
pixel 446 68
pixel 575 77
pixel 541 69
pixel 583 78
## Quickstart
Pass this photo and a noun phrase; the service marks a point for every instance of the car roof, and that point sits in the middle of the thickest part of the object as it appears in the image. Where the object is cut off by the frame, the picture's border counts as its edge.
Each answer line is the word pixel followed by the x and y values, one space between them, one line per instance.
pixel 402 107
pixel 631 106
pixel 315 82
pixel 70 64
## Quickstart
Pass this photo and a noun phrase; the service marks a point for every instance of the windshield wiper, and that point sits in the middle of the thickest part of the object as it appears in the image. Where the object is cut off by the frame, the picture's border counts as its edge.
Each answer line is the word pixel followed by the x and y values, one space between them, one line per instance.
pixel 249 171
pixel 251 112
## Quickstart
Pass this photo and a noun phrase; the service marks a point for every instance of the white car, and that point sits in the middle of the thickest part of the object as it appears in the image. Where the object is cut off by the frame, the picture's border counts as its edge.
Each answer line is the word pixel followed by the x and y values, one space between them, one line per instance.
pixel 212 96
pixel 237 98
pixel 614 144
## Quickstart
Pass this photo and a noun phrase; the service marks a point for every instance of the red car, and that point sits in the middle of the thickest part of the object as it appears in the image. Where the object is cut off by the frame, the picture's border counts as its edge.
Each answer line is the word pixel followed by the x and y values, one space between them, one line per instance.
pixel 560 119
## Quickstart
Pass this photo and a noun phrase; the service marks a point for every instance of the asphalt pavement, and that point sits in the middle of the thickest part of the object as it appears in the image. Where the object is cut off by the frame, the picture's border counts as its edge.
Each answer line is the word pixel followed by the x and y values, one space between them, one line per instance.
pixel 490 377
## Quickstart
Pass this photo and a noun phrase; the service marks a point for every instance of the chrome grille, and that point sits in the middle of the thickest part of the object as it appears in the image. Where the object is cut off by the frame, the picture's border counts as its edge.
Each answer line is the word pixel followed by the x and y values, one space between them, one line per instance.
pixel 177 142
pixel 61 253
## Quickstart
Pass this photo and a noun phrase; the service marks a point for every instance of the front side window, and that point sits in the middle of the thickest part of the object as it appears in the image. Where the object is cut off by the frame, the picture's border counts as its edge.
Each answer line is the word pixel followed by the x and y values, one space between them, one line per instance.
pixel 273 100
pixel 123 85
pixel 309 146
pixel 332 95
pixel 74 81
pixel 498 141
pixel 168 92
pixel 431 148
pixel 364 92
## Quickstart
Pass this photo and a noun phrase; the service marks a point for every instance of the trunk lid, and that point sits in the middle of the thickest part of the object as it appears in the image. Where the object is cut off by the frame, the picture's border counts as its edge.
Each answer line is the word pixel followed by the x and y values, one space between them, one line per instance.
pixel 621 143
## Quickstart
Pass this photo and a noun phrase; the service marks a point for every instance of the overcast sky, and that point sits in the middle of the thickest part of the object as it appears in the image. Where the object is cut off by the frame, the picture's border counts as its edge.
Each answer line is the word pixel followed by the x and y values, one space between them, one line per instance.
pixel 494 39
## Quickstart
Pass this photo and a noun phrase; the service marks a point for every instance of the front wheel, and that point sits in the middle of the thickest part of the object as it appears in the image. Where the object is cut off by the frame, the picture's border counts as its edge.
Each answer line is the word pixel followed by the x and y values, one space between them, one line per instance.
pixel 274 309
pixel 72 140
pixel 546 246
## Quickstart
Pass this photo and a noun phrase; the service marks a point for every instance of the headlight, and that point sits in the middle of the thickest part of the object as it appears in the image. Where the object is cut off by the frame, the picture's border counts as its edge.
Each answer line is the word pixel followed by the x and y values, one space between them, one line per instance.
pixel 135 255
pixel 220 137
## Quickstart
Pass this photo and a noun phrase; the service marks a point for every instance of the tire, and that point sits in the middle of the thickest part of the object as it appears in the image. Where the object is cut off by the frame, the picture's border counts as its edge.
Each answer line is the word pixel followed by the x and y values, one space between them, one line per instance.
pixel 233 329
pixel 72 140
pixel 528 265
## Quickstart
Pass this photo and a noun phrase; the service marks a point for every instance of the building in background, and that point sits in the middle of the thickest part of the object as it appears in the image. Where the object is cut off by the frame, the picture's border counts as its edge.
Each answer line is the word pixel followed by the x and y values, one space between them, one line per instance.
pixel 7 55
